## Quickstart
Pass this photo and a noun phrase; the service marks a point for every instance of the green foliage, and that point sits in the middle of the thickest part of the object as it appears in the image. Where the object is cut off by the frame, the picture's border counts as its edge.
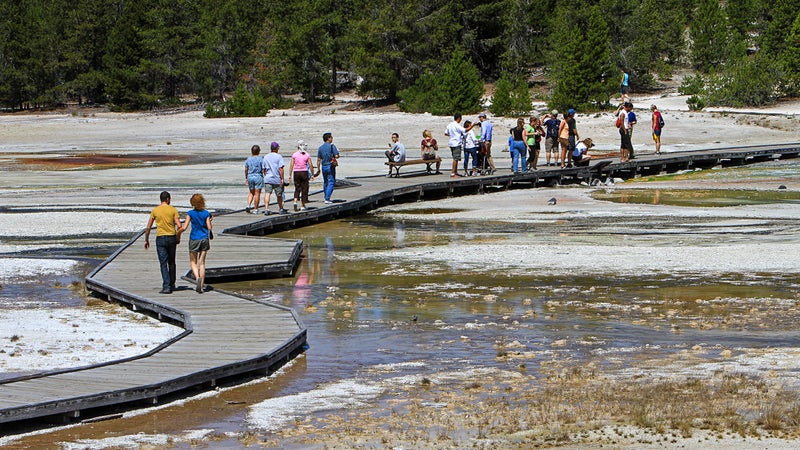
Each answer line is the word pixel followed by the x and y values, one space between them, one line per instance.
pixel 790 60
pixel 653 41
pixel 746 82
pixel 149 53
pixel 510 99
pixel 455 88
pixel 692 85
pixel 777 21
pixel 243 103
pixel 501 99
pixel 713 43
pixel 695 103
pixel 520 98
pixel 582 74
pixel 422 96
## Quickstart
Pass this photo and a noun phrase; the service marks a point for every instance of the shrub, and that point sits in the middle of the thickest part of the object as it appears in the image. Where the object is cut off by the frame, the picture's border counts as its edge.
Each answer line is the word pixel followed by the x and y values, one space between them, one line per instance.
pixel 243 103
pixel 501 99
pixel 695 103
pixel 692 85
pixel 456 87
pixel 421 96
pixel 746 82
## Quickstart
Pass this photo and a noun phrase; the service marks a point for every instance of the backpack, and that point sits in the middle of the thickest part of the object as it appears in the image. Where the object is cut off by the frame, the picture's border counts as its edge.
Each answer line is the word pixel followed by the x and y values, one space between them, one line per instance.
pixel 660 120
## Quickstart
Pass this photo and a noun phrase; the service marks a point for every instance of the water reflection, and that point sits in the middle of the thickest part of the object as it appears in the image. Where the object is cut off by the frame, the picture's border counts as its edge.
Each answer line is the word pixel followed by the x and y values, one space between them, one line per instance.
pixel 698 197
pixel 363 312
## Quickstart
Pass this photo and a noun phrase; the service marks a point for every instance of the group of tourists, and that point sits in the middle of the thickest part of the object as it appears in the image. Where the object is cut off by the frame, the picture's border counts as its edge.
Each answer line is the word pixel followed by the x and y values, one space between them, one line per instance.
pixel 477 148
pixel 267 173
pixel 525 142
pixel 626 119
pixel 260 173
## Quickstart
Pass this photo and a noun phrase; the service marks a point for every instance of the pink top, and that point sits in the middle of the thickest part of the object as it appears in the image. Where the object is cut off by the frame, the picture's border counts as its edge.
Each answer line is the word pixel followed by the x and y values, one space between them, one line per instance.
pixel 300 161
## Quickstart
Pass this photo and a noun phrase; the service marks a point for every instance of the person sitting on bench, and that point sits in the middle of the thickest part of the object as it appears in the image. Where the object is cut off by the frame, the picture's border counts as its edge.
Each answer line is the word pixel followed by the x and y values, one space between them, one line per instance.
pixel 397 151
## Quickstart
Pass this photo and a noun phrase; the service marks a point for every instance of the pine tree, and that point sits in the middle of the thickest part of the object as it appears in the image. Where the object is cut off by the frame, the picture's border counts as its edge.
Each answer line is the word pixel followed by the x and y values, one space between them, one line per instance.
pixel 780 14
pixel 461 87
pixel 790 59
pixel 709 33
pixel 501 98
pixel 583 74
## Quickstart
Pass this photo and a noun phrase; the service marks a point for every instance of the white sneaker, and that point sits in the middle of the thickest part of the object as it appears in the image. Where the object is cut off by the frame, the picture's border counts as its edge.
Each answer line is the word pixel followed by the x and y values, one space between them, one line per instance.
pixel 253 211
pixel 328 202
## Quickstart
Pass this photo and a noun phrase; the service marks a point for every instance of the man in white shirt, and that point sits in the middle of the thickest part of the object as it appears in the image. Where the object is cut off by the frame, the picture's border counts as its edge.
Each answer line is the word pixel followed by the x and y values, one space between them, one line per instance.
pixel 397 152
pixel 456 133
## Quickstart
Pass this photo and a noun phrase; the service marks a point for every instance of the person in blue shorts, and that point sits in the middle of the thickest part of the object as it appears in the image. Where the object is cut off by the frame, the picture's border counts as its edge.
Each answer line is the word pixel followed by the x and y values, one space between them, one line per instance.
pixel 254 178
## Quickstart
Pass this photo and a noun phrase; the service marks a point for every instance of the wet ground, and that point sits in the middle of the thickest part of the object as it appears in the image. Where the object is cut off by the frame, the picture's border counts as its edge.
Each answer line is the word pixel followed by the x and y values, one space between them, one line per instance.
pixel 415 312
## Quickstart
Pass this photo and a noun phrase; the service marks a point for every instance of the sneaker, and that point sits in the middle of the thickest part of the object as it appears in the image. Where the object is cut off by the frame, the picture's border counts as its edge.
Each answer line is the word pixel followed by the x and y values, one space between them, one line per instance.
pixel 267 212
pixel 328 202
pixel 165 291
pixel 295 207
pixel 283 211
pixel 253 211
pixel 303 208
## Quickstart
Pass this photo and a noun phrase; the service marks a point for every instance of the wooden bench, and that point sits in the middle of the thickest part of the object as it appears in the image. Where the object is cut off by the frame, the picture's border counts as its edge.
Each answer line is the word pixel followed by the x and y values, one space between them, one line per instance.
pixel 397 165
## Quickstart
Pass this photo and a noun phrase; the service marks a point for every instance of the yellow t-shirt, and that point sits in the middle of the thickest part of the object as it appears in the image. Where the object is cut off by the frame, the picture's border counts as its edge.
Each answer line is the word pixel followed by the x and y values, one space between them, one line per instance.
pixel 164 217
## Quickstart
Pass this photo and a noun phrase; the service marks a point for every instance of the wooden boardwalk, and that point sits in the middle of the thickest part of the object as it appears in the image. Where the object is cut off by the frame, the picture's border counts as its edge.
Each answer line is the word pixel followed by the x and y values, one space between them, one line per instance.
pixel 227 336
pixel 354 196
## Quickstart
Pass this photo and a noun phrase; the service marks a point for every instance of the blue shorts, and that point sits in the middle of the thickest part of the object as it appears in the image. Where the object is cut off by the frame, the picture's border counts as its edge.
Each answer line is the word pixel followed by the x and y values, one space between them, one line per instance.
pixel 656 133
pixel 255 182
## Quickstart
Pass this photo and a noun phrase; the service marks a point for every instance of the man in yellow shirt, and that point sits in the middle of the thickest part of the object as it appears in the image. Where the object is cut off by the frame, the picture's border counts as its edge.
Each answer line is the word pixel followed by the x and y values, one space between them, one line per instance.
pixel 168 224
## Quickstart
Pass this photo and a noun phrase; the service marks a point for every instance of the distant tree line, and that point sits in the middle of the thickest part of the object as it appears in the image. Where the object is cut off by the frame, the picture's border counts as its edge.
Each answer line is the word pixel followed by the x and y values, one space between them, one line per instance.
pixel 428 55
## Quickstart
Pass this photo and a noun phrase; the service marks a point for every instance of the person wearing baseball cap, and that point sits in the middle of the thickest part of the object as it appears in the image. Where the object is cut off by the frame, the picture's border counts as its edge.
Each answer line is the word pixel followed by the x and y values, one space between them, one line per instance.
pixel 273 178
pixel 485 142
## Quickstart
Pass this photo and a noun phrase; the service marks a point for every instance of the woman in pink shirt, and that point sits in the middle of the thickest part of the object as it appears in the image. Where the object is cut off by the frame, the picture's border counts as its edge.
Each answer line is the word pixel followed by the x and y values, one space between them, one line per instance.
pixel 301 169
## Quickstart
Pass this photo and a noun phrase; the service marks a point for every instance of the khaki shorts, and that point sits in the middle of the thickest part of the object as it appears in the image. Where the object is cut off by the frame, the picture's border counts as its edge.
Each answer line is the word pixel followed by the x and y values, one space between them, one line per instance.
pixel 551 145
pixel 199 245
pixel 269 188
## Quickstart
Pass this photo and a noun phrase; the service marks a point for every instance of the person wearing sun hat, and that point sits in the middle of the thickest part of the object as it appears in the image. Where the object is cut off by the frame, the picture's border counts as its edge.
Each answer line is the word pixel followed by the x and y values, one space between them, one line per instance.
pixel 273 178
pixel 300 168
